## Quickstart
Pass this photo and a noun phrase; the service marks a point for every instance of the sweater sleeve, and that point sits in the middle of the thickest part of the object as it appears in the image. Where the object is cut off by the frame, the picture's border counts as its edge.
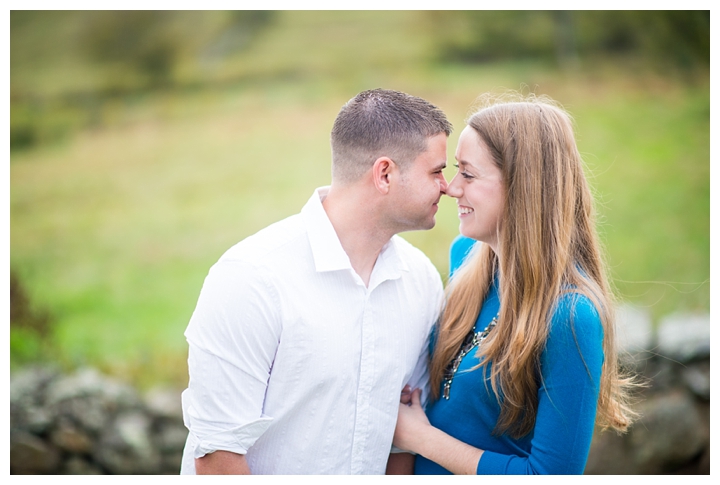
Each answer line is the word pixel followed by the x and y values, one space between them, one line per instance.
pixel 567 396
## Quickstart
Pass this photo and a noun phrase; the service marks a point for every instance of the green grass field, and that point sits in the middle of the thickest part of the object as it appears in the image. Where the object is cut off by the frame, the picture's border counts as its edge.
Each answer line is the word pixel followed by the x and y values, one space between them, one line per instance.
pixel 114 229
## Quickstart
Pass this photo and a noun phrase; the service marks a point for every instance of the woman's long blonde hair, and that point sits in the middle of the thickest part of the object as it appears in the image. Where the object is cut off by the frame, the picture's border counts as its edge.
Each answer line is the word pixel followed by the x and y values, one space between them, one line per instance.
pixel 548 244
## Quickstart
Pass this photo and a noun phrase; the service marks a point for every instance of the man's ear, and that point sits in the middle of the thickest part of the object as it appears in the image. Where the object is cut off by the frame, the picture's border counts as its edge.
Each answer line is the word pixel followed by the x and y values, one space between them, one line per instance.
pixel 383 171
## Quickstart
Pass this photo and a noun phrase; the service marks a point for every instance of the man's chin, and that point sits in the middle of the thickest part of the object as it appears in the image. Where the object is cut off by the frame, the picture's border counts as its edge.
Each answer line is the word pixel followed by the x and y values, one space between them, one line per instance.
pixel 428 225
pixel 418 227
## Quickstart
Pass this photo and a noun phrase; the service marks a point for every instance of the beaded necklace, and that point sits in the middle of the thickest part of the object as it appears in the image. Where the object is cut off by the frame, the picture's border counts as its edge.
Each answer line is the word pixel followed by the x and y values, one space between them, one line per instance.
pixel 472 340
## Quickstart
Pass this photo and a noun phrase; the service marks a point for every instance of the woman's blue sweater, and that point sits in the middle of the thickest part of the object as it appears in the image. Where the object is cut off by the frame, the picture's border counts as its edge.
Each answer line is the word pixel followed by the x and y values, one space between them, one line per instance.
pixel 568 388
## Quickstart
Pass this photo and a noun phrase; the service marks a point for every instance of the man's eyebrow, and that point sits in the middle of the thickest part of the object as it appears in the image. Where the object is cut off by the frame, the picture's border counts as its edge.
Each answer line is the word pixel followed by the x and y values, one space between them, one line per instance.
pixel 440 166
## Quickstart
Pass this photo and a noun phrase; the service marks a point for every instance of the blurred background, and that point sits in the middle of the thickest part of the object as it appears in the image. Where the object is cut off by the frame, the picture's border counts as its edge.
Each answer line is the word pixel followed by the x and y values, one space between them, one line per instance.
pixel 146 143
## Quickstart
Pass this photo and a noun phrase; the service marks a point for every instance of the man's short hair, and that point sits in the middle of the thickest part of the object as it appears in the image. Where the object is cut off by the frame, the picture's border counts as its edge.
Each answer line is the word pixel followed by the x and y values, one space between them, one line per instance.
pixel 378 123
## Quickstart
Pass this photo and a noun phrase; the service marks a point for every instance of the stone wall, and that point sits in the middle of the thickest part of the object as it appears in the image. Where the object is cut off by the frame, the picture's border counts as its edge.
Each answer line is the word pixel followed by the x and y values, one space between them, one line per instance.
pixel 673 434
pixel 86 423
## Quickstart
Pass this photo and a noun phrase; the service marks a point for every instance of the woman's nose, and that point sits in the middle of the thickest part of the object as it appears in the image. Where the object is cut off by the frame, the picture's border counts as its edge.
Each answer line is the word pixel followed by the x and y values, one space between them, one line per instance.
pixel 453 189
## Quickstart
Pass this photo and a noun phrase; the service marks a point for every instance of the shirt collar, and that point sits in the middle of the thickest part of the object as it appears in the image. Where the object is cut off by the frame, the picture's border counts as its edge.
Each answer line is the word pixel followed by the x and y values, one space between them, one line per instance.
pixel 329 254
pixel 390 263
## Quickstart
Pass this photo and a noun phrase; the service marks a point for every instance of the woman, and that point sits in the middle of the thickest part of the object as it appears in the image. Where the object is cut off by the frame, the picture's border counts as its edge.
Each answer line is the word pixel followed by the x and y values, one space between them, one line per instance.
pixel 523 363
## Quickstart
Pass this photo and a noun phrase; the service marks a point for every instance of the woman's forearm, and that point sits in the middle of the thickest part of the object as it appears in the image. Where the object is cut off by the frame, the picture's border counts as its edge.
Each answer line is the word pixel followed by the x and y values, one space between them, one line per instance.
pixel 414 432
pixel 450 453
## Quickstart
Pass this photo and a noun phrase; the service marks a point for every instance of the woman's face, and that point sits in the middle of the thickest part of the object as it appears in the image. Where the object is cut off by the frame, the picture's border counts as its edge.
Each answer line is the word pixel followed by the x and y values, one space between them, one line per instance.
pixel 478 188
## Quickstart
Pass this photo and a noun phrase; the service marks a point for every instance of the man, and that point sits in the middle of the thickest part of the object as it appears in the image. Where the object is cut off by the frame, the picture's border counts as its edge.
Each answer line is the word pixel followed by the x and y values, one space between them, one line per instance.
pixel 305 333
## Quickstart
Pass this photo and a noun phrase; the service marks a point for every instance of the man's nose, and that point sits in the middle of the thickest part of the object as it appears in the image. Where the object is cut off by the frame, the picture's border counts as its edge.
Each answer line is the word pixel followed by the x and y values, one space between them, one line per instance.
pixel 443 184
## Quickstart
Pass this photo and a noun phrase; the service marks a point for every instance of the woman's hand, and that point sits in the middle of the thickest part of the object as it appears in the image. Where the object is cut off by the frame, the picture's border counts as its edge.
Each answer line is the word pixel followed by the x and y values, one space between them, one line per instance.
pixel 414 432
pixel 411 422
pixel 405 394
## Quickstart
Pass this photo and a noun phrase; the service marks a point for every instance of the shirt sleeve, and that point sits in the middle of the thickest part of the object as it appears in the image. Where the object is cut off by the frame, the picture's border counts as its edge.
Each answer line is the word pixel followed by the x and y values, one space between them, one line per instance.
pixel 420 378
pixel 233 335
pixel 567 397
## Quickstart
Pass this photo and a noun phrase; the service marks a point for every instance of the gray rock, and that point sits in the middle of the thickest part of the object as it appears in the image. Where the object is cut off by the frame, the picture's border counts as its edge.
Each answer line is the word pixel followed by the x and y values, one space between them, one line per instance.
pixel 134 430
pixel 89 382
pixel 634 329
pixel 69 437
pixel 684 336
pixel 89 399
pixel 171 463
pixel 164 402
pixel 30 383
pixel 125 447
pixel 91 413
pixel 27 398
pixel 697 378
pixel 31 418
pixel 610 455
pixel 77 465
pixel 670 433
pixel 171 436
pixel 31 455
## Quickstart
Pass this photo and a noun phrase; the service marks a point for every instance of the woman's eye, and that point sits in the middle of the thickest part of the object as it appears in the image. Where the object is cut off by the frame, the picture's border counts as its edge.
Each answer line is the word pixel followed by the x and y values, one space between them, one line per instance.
pixel 465 175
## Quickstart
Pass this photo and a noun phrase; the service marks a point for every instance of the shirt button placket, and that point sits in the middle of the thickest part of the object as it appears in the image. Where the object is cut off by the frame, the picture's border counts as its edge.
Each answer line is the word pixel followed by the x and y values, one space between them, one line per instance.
pixel 365 379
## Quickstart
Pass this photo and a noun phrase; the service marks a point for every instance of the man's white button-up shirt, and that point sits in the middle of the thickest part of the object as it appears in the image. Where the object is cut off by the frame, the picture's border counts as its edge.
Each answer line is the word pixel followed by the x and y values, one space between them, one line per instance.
pixel 294 362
